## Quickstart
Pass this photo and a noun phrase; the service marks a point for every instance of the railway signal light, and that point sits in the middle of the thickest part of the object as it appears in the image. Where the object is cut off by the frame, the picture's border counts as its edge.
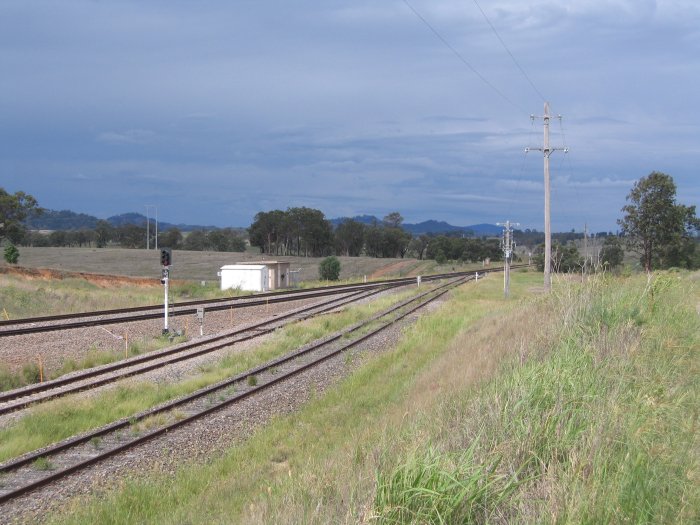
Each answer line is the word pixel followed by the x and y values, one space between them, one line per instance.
pixel 165 257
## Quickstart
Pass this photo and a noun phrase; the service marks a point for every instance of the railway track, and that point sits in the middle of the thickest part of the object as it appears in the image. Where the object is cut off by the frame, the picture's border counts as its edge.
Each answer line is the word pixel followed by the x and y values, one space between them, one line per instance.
pixel 21 398
pixel 22 475
pixel 33 325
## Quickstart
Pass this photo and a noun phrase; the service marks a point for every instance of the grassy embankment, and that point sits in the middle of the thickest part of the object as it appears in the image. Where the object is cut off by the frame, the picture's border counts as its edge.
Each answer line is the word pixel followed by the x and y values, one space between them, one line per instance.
pixel 61 418
pixel 579 407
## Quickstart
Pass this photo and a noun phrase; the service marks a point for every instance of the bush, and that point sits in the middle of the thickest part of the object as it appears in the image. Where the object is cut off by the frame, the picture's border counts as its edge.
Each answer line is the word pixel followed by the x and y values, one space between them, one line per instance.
pixel 11 253
pixel 329 269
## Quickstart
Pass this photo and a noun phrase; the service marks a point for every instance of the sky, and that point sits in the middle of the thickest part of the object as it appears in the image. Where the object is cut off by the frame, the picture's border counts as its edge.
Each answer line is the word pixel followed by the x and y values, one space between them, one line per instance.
pixel 214 110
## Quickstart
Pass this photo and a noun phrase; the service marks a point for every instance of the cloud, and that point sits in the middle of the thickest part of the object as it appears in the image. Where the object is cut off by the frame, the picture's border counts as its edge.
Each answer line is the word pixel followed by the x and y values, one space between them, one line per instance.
pixel 131 136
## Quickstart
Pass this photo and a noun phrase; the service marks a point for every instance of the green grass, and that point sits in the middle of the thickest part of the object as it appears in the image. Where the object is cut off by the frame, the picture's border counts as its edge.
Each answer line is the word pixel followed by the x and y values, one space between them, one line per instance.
pixel 58 419
pixel 578 407
pixel 601 429
pixel 280 474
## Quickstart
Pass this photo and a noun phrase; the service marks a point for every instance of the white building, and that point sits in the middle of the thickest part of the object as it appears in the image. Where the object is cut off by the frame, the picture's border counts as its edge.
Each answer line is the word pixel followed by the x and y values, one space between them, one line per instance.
pixel 248 277
pixel 255 276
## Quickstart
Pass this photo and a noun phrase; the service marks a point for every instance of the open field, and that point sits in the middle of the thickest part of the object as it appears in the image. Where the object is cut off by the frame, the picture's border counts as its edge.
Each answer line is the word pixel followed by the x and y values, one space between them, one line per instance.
pixel 200 266
pixel 577 407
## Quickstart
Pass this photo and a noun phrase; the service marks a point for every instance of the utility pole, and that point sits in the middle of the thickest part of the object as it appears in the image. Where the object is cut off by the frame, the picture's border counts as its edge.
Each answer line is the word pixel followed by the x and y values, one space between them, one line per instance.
pixel 547 151
pixel 585 247
pixel 508 245
pixel 148 226
pixel 148 230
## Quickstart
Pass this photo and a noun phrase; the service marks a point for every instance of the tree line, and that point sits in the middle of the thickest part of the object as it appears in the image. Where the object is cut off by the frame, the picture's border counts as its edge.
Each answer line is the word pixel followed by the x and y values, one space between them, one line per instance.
pixel 306 232
pixel 662 232
pixel 134 236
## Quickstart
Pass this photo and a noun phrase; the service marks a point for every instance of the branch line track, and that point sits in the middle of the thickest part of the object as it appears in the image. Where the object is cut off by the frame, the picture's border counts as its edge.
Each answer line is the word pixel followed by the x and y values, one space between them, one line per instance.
pixel 123 315
pixel 27 479
pixel 153 360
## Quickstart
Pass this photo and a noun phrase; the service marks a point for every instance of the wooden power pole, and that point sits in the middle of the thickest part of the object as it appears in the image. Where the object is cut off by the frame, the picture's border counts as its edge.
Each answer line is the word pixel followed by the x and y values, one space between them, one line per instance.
pixel 547 151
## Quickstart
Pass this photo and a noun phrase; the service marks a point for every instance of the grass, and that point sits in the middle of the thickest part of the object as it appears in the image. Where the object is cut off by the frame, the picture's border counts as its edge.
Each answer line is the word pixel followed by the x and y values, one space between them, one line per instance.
pixel 30 373
pixel 577 407
pixel 61 418
pixel 187 265
pixel 297 459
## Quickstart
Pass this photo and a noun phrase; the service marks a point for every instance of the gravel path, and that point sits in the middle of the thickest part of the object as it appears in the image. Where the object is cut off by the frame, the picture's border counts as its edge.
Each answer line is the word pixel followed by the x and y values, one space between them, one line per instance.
pixel 208 437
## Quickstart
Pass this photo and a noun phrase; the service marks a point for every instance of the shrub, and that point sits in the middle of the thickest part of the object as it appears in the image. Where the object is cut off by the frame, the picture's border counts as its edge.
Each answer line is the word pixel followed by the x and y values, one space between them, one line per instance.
pixel 11 253
pixel 329 269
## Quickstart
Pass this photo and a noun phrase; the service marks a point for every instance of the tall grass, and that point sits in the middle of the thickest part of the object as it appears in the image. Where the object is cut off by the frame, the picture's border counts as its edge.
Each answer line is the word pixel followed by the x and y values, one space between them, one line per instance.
pixel 577 407
pixel 598 428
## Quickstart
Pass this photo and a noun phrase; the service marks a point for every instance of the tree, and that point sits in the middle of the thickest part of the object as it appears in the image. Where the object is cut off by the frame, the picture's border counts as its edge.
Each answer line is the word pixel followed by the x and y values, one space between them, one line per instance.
pixel 103 233
pixel 350 238
pixel 196 240
pixel 393 220
pixel 172 238
pixel 565 259
pixel 329 269
pixel 14 209
pixel 131 236
pixel 11 254
pixel 654 226
pixel 612 253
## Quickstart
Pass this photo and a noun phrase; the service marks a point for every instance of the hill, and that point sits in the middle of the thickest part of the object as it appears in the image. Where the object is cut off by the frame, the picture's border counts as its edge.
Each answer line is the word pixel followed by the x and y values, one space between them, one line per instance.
pixel 69 220
pixel 430 226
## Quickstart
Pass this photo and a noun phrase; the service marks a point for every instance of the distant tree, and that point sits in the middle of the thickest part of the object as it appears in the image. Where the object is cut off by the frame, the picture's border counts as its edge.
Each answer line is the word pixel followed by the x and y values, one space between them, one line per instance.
pixel 418 245
pixel 657 228
pixel 103 233
pixel 57 238
pixel 612 253
pixel 267 231
pixel 36 239
pixel 350 238
pixel 11 254
pixel 131 236
pixel 393 220
pixel 394 242
pixel 225 240
pixel 329 269
pixel 373 240
pixel 172 238
pixel 565 258
pixel 196 240
pixel 14 209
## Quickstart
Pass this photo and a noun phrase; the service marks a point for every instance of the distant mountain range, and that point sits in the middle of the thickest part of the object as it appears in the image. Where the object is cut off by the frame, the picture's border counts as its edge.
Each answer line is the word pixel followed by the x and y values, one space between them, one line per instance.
pixel 431 226
pixel 69 220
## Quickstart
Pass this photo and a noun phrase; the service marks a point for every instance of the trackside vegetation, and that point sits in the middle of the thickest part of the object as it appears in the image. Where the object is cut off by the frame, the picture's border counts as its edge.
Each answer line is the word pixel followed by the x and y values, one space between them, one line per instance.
pixel 64 417
pixel 576 407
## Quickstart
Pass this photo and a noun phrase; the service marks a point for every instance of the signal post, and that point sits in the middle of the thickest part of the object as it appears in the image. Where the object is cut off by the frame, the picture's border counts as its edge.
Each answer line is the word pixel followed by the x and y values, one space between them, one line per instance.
pixel 165 261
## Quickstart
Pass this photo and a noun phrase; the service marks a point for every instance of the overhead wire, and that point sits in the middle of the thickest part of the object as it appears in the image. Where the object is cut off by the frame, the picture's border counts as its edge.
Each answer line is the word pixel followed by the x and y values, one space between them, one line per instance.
pixel 462 59
pixel 495 32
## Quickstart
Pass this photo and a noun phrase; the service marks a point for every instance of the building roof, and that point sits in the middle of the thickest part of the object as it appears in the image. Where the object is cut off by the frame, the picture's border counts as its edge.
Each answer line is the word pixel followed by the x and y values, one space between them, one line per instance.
pixel 243 267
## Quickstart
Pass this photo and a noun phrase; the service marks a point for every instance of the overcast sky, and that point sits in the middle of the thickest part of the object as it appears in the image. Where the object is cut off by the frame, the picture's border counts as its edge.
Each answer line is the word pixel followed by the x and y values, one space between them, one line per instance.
pixel 215 110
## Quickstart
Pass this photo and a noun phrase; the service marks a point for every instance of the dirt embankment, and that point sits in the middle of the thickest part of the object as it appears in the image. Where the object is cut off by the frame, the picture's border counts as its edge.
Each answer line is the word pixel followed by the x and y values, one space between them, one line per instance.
pixel 391 269
pixel 105 281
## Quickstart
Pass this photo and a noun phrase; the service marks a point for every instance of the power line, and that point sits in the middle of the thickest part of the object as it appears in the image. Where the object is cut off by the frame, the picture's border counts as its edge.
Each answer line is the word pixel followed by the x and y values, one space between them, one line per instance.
pixel 539 93
pixel 462 59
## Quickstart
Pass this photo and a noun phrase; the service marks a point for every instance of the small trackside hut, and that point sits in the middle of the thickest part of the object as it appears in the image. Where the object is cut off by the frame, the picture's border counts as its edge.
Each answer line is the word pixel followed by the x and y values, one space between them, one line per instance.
pixel 258 276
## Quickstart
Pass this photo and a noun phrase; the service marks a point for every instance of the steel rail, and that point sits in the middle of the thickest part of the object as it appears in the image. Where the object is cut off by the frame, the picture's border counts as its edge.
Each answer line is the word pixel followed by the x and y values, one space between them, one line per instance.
pixel 78 440
pixel 185 352
pixel 97 318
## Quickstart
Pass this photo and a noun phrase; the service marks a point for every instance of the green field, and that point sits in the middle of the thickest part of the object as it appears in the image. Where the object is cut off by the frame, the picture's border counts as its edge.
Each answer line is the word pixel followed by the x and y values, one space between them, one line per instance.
pixel 576 407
